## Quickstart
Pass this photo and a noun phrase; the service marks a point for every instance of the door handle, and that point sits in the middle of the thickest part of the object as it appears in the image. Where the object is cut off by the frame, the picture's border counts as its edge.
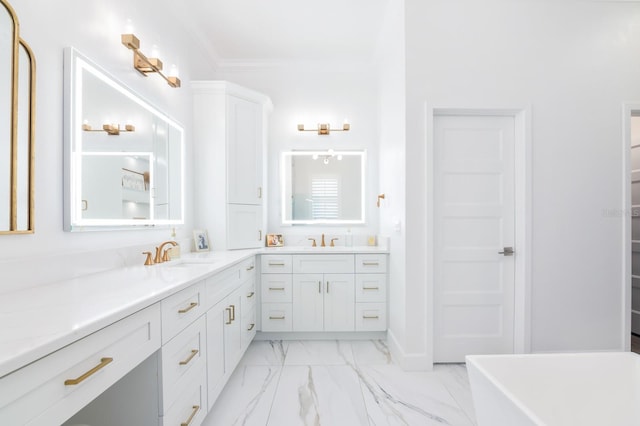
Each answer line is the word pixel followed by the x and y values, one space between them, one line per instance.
pixel 507 251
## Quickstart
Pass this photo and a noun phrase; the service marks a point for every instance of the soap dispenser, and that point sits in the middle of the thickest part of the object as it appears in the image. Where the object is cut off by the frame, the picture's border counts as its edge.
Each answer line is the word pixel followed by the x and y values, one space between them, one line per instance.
pixel 174 252
pixel 348 239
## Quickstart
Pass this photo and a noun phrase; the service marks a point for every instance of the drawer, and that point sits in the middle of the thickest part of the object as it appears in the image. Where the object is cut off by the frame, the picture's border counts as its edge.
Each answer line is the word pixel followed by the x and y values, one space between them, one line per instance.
pixel 44 393
pixel 181 309
pixel 191 406
pixel 371 263
pixel 276 317
pixel 183 354
pixel 371 316
pixel 248 327
pixel 221 285
pixel 276 288
pixel 247 269
pixel 275 264
pixel 323 263
pixel 249 296
pixel 371 287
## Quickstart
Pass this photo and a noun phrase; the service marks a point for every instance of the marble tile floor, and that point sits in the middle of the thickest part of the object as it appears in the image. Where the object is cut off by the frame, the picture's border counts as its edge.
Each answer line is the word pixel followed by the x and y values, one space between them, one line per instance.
pixel 335 383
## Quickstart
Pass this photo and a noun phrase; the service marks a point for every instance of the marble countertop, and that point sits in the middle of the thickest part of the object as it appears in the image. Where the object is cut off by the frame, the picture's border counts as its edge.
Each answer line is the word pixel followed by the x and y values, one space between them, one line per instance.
pixel 39 320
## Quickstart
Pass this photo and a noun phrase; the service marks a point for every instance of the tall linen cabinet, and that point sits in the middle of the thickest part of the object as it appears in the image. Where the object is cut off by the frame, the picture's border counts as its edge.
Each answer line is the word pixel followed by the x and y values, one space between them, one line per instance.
pixel 230 133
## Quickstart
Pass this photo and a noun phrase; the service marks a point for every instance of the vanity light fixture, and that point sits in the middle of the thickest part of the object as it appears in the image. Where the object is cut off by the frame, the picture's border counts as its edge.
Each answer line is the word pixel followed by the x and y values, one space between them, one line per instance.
pixel 143 64
pixel 111 129
pixel 325 128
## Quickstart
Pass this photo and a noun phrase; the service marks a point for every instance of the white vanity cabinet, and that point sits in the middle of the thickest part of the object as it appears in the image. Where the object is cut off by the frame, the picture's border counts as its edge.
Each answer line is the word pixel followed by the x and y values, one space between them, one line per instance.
pixel 230 136
pixel 55 387
pixel 320 292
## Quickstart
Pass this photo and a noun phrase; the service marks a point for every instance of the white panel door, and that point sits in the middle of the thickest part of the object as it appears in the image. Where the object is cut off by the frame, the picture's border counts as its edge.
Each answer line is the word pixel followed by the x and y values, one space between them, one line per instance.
pixel 244 161
pixel 474 221
pixel 339 302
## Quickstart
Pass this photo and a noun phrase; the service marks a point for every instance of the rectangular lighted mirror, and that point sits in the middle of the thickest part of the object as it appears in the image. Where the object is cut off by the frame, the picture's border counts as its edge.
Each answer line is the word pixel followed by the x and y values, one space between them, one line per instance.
pixel 123 157
pixel 323 187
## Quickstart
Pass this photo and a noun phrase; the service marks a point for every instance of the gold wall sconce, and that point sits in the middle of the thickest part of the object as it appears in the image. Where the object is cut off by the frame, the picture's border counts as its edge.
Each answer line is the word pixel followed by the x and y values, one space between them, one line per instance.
pixel 145 65
pixel 380 197
pixel 325 128
pixel 111 129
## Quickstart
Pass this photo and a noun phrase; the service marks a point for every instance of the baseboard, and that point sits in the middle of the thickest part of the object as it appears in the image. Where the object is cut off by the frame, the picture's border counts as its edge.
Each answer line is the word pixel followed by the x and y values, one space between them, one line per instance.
pixel 346 335
pixel 407 361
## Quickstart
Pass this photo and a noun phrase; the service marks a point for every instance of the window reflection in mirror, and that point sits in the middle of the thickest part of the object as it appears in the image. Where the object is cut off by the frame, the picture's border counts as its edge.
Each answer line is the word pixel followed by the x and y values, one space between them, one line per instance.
pixel 124 157
pixel 323 187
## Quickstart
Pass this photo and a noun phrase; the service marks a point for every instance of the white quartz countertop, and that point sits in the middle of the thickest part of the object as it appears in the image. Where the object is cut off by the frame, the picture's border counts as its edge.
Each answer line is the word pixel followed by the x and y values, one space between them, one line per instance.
pixel 39 320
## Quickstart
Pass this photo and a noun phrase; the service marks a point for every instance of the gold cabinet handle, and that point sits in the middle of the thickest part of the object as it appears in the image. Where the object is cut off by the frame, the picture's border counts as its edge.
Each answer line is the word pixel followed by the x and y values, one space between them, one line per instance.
pixel 370 317
pixel 250 295
pixel 277 288
pixel 196 408
pixel 251 327
pixel 103 363
pixel 276 264
pixel 260 235
pixel 233 312
pixel 276 318
pixel 319 286
pixel 327 287
pixel 259 192
pixel 228 309
pixel 370 263
pixel 250 268
pixel 194 352
pixel 187 309
pixel 371 288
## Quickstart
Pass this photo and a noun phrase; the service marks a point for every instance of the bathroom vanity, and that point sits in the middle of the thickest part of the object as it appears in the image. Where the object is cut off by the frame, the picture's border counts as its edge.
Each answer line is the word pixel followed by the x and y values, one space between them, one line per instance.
pixel 189 322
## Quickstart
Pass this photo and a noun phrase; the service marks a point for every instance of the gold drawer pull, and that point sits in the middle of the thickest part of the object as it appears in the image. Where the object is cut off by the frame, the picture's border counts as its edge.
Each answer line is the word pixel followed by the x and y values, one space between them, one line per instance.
pixel 191 306
pixel 196 408
pixel 371 288
pixel 370 263
pixel 233 313
pixel 230 319
pixel 277 318
pixel 277 288
pixel 194 352
pixel 103 363
pixel 250 268
pixel 370 317
pixel 250 294
pixel 276 264
pixel 251 327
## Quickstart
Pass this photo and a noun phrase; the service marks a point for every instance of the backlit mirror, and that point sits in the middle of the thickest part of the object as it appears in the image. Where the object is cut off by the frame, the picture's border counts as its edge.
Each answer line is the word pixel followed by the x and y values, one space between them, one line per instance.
pixel 124 158
pixel 323 187
pixel 17 101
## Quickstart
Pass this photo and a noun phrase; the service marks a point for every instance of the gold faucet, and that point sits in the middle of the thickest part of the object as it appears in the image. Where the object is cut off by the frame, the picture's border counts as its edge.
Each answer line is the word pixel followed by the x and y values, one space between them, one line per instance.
pixel 332 240
pixel 163 257
pixel 149 260
pixel 323 244
pixel 314 242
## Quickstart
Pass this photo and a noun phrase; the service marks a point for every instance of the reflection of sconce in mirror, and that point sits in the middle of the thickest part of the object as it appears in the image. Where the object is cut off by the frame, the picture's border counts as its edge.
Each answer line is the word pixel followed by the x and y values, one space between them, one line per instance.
pixel 145 65
pixel 325 128
pixel 111 129
pixel 327 158
pixel 380 197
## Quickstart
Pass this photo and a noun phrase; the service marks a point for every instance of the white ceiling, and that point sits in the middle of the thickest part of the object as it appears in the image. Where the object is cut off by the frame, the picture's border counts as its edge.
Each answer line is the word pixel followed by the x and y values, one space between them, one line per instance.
pixel 258 32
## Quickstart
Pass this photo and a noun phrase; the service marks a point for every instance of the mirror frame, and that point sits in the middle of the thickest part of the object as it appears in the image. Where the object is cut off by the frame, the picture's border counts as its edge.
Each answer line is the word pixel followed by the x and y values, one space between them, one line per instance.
pixel 17 44
pixel 283 205
pixel 75 63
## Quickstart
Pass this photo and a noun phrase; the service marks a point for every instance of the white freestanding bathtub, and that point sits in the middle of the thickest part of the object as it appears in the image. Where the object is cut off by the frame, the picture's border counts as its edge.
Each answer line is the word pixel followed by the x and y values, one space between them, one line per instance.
pixel 582 389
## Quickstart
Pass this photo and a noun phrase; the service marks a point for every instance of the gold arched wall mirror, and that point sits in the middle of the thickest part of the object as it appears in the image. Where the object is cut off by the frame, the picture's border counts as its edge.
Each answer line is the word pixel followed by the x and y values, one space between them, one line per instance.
pixel 17 122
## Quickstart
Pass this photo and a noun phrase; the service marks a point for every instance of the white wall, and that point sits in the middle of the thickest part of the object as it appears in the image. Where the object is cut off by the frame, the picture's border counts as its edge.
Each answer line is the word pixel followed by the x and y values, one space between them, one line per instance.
pixel 94 28
pixel 309 95
pixel 574 63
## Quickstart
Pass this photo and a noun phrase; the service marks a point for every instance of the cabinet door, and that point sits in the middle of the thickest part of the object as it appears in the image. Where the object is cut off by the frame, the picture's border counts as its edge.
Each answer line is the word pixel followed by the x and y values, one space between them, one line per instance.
pixel 245 226
pixel 244 162
pixel 308 302
pixel 215 350
pixel 232 331
pixel 339 302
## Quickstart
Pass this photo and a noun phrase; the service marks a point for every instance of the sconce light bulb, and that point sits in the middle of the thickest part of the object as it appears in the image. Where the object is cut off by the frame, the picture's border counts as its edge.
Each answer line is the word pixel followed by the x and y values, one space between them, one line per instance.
pixel 315 156
pixel 128 26
pixel 155 52
pixel 173 71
